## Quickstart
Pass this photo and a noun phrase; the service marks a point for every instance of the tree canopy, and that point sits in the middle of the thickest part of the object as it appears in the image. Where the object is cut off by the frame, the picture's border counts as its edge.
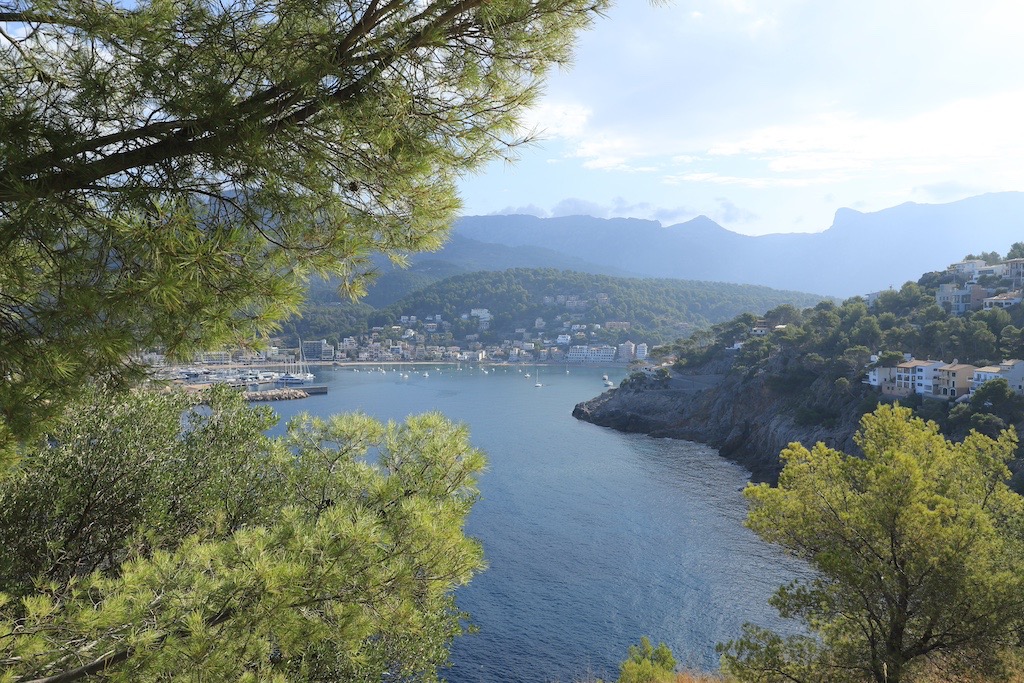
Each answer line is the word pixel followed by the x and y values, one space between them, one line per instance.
pixel 917 550
pixel 170 170
pixel 137 544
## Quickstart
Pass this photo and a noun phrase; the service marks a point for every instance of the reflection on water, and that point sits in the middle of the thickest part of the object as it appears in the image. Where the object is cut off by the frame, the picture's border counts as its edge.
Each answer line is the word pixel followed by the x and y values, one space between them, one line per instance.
pixel 593 538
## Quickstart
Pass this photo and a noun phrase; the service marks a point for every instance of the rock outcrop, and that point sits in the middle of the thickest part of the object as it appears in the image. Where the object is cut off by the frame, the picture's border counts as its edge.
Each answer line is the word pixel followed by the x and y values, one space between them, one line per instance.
pixel 748 417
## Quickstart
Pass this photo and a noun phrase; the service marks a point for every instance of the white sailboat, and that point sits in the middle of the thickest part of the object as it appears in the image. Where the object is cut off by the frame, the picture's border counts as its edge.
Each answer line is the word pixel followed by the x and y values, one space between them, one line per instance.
pixel 538 384
pixel 301 374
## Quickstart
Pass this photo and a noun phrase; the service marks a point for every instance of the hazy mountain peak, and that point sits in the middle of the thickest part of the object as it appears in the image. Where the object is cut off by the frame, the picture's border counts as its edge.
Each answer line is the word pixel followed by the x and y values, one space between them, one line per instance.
pixel 845 214
pixel 854 256
pixel 701 224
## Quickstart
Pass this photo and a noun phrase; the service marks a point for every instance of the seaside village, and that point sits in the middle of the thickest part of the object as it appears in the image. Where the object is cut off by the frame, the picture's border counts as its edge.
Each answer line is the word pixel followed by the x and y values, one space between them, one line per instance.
pixel 976 286
pixel 413 340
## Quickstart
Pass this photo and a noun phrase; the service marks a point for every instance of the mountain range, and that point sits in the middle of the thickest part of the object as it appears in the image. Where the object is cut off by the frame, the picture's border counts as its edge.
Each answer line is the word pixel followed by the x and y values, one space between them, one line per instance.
pixel 857 254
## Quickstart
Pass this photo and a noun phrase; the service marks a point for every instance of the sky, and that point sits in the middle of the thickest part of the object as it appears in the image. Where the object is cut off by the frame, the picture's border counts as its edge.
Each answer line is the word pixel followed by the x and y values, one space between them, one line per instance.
pixel 767 116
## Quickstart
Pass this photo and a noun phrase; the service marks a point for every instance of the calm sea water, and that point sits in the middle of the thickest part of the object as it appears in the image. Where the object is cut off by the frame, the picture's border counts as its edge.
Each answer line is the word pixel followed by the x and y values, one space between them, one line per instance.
pixel 593 538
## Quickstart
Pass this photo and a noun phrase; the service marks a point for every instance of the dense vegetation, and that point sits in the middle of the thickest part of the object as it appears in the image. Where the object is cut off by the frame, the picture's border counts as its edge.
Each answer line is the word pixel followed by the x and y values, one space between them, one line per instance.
pixel 657 309
pixel 917 551
pixel 918 565
pixel 171 174
pixel 818 360
pixel 139 544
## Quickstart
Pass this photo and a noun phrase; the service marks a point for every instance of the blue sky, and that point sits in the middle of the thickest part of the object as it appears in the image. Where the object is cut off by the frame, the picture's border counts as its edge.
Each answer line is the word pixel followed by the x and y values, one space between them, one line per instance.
pixel 768 116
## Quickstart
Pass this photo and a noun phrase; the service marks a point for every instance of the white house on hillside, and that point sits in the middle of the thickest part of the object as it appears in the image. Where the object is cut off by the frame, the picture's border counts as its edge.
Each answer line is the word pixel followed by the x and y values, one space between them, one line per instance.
pixel 1004 300
pixel 959 300
pixel 913 377
pixel 878 377
pixel 1010 370
pixel 968 268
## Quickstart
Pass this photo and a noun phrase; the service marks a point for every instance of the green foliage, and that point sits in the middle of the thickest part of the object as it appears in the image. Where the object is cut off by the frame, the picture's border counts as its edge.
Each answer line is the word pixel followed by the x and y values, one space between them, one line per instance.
pixel 989 257
pixel 821 343
pixel 648 664
pixel 1016 250
pixel 171 172
pixel 814 416
pixel 754 351
pixel 656 308
pixel 917 551
pixel 203 545
pixel 889 359
pixel 997 398
pixel 118 476
pixel 792 383
pixel 332 322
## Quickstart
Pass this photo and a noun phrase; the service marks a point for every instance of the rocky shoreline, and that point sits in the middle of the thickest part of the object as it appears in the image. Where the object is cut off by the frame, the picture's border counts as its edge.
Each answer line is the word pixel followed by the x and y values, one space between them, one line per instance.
pixel 746 417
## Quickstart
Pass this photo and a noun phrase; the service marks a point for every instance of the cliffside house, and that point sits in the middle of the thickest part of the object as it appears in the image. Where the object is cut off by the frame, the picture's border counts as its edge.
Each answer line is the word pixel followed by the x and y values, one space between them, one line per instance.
pixel 1015 271
pixel 959 300
pixel 913 377
pixel 1010 370
pixel 1004 300
pixel 967 269
pixel 879 377
pixel 953 380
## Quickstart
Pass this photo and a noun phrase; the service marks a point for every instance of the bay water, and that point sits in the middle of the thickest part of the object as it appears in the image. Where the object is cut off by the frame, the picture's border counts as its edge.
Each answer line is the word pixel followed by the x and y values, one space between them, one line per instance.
pixel 593 538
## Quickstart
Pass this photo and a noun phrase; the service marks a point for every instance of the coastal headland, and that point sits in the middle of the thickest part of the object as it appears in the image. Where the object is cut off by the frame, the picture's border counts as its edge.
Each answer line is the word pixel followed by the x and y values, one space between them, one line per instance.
pixel 742 416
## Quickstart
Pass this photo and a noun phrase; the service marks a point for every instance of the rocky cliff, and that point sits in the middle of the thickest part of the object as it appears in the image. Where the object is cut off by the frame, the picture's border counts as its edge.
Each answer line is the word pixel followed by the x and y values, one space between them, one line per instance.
pixel 748 416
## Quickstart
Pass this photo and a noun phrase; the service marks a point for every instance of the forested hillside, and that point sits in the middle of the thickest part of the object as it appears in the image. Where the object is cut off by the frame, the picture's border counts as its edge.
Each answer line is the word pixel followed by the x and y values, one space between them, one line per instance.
pixel 658 310
pixel 815 364
pixel 654 307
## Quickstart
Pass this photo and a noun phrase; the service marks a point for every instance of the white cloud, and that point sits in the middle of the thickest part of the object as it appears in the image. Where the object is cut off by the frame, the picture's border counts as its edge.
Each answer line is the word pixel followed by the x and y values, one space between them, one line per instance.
pixel 579 207
pixel 981 128
pixel 778 104
pixel 729 213
pixel 528 210
pixel 557 119
pixel 757 182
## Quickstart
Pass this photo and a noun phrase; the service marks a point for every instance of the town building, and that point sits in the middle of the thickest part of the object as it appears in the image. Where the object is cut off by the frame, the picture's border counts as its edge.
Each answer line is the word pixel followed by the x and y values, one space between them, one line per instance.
pixel 993 270
pixel 216 357
pixel 913 377
pixel 1004 300
pixel 1010 370
pixel 591 354
pixel 317 350
pixel 1015 271
pixel 879 377
pixel 967 269
pixel 953 380
pixel 959 300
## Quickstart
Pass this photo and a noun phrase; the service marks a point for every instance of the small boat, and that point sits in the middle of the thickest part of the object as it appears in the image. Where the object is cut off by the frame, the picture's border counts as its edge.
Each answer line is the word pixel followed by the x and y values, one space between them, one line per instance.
pixel 609 383
pixel 296 377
